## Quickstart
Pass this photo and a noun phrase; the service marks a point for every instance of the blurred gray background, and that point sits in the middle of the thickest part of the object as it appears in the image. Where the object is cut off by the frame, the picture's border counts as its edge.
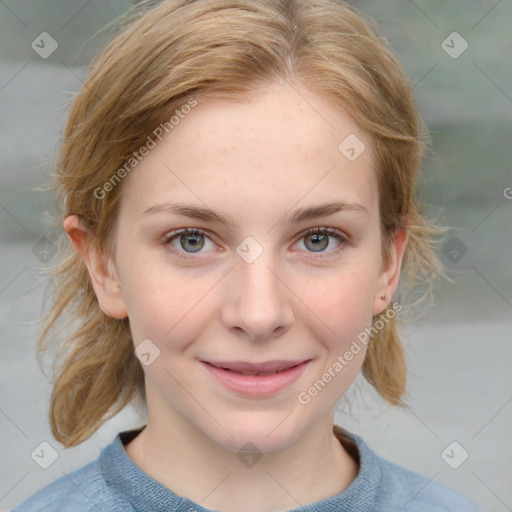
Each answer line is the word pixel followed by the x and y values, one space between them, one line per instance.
pixel 460 384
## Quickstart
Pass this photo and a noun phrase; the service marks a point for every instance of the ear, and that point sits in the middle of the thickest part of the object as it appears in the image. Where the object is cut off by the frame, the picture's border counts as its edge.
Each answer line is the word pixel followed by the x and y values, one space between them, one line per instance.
pixel 104 278
pixel 390 273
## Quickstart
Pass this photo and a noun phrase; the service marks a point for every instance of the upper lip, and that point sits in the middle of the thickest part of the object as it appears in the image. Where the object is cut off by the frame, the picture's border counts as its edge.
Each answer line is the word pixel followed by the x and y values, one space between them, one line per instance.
pixel 267 366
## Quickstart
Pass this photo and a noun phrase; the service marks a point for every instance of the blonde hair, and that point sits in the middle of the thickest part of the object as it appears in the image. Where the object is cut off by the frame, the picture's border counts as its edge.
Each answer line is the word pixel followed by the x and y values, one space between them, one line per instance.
pixel 181 49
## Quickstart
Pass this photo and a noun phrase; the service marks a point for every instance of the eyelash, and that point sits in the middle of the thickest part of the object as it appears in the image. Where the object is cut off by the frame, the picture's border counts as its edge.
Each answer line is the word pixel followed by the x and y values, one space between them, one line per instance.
pixel 338 235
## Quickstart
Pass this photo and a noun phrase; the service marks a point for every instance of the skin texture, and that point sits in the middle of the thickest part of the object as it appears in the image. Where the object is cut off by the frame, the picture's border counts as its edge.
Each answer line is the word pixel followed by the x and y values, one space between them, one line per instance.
pixel 255 161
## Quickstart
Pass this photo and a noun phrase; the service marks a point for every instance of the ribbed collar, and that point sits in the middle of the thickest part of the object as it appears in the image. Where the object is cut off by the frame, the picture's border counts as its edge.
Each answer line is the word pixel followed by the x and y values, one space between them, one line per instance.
pixel 147 495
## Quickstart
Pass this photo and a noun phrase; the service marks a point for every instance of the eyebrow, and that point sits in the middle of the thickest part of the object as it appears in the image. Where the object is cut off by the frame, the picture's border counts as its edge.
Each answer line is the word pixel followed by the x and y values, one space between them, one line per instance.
pixel 299 215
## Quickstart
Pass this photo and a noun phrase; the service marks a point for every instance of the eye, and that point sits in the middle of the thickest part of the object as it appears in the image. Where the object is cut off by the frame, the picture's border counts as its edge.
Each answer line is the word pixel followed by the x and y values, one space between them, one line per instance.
pixel 318 239
pixel 186 240
pixel 192 240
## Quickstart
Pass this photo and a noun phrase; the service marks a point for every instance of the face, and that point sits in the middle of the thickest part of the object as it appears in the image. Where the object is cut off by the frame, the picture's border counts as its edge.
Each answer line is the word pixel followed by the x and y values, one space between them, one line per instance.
pixel 265 288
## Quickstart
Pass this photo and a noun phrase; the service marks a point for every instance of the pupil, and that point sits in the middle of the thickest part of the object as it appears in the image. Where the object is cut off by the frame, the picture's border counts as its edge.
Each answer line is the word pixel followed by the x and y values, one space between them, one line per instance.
pixel 192 240
pixel 319 241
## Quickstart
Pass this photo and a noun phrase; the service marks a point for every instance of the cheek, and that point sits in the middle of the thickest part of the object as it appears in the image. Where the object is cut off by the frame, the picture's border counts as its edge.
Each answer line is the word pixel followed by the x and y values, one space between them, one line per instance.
pixel 163 305
pixel 343 304
pixel 343 301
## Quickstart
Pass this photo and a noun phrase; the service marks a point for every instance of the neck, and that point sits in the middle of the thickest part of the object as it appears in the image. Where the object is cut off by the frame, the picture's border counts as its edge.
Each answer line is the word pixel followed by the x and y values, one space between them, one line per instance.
pixel 314 468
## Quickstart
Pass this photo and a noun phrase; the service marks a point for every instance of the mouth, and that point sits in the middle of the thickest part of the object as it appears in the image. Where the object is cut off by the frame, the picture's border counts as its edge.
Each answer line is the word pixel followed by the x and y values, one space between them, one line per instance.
pixel 256 379
pixel 260 369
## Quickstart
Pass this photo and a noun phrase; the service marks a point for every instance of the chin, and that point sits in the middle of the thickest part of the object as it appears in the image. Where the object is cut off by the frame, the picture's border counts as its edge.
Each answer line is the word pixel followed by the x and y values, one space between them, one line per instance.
pixel 268 431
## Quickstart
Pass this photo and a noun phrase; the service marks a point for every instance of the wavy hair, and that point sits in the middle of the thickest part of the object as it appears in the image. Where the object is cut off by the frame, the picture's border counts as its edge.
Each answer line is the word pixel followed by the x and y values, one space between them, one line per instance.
pixel 160 57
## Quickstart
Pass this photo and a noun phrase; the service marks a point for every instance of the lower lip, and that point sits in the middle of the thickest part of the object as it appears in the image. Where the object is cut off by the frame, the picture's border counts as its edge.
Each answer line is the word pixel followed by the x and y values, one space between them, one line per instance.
pixel 256 385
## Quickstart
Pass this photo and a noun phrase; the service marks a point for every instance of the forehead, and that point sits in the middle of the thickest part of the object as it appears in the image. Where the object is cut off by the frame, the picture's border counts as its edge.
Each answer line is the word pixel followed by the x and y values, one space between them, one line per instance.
pixel 285 146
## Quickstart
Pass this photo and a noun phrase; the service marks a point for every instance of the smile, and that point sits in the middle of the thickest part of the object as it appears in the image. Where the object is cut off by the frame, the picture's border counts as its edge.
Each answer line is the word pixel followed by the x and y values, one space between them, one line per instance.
pixel 256 379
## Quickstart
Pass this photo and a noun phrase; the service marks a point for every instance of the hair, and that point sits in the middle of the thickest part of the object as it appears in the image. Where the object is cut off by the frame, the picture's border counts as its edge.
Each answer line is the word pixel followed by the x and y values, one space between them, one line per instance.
pixel 158 59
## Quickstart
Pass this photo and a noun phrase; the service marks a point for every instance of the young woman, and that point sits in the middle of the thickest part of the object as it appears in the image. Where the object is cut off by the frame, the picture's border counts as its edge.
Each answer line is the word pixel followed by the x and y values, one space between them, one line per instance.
pixel 237 182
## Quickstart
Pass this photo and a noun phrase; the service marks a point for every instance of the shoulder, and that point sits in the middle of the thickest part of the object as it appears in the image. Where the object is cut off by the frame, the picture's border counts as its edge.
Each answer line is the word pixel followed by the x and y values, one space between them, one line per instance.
pixel 74 491
pixel 398 488
pixel 388 486
pixel 416 493
pixel 83 490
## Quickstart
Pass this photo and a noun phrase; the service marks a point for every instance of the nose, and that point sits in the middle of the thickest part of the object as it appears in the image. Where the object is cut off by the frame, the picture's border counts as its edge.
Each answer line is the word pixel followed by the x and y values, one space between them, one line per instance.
pixel 257 302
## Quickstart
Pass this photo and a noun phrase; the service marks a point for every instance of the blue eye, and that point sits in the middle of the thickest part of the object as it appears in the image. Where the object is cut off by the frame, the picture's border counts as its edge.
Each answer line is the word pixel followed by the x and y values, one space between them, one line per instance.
pixel 192 240
pixel 319 239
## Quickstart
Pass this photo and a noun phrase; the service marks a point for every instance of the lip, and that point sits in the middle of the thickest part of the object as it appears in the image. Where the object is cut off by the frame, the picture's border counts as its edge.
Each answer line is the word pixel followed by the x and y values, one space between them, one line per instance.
pixel 228 374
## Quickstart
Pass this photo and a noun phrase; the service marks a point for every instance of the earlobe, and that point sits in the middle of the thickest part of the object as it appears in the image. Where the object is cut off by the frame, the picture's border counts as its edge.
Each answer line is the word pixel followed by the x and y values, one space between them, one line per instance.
pixel 390 275
pixel 101 268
